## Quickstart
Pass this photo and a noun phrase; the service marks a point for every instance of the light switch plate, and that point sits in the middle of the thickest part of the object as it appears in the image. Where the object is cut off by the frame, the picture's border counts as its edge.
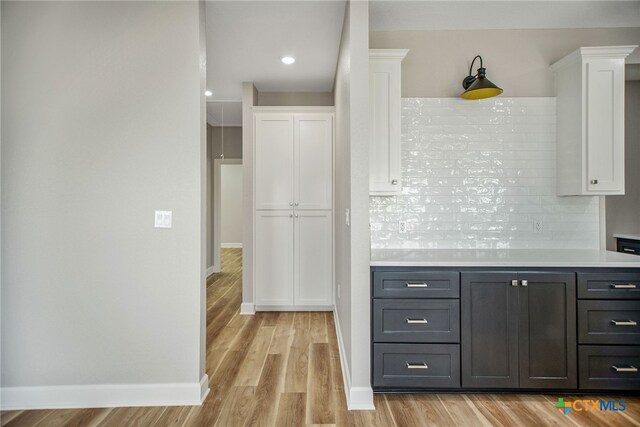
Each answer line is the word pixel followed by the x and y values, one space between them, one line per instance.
pixel 164 219
pixel 347 218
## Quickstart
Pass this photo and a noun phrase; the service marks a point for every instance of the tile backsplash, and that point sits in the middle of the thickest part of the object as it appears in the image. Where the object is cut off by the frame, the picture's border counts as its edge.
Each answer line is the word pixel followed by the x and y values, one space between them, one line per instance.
pixel 481 175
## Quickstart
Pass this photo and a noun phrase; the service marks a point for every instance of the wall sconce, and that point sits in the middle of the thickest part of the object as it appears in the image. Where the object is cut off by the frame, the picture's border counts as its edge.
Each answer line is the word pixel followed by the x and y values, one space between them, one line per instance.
pixel 479 86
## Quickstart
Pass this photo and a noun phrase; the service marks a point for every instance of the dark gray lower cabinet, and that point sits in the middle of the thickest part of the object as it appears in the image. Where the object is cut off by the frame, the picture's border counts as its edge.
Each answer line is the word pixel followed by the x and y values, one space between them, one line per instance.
pixel 518 330
pixel 489 330
pixel 416 365
pixel 547 335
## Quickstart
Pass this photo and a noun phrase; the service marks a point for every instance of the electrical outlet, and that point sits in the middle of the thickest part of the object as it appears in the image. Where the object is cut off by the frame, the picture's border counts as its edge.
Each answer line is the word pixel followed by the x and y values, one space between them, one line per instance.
pixel 402 226
pixel 537 226
pixel 338 290
pixel 163 219
pixel 347 217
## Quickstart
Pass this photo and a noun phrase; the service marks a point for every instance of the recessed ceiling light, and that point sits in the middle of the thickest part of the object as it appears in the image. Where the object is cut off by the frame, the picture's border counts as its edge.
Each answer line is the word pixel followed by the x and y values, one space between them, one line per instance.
pixel 288 60
pixel 208 93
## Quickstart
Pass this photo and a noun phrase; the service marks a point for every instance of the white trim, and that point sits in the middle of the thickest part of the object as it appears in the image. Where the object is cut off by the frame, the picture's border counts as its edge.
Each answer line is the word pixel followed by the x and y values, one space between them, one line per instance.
pixel 247 308
pixel 231 245
pixel 293 109
pixel 358 398
pixel 294 308
pixel 602 210
pixel 210 271
pixel 388 53
pixel 217 194
pixel 104 395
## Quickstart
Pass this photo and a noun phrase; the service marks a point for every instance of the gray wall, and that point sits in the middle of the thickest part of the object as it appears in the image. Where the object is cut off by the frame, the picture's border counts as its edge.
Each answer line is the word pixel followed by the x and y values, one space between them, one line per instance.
pixel 352 246
pixel 103 122
pixel 232 150
pixel 623 212
pixel 295 98
pixel 516 60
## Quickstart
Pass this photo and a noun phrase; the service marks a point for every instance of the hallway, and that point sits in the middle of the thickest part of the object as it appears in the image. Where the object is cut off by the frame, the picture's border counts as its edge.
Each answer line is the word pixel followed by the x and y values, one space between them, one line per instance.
pixel 283 369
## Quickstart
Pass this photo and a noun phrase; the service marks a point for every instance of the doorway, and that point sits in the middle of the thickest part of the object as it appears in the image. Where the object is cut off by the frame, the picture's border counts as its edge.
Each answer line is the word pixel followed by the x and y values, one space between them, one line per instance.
pixel 227 208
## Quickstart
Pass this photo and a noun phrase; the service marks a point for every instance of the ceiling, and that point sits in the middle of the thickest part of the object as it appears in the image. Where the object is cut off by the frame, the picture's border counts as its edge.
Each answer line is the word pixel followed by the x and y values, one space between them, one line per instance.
pixel 398 15
pixel 246 39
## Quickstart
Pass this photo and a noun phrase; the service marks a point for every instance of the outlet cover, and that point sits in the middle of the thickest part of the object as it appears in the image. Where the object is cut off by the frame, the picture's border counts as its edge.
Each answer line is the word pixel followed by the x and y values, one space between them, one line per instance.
pixel 537 226
pixel 163 219
pixel 402 226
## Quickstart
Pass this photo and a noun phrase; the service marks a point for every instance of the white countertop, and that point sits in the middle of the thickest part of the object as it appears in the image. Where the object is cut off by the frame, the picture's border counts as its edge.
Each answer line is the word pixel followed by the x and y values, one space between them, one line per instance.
pixel 628 236
pixel 501 258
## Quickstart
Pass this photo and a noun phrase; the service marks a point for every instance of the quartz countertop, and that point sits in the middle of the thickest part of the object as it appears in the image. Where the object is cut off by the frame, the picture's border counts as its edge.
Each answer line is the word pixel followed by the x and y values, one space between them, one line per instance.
pixel 501 258
pixel 628 236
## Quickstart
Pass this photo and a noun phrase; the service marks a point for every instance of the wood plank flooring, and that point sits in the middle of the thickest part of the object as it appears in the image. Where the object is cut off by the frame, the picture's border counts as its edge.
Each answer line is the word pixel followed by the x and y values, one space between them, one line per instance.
pixel 283 369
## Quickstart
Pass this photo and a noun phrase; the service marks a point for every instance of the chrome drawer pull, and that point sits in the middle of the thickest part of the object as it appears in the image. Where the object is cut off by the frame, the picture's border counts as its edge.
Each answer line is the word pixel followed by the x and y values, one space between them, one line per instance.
pixel 423 321
pixel 623 286
pixel 417 365
pixel 624 322
pixel 633 251
pixel 416 285
pixel 625 368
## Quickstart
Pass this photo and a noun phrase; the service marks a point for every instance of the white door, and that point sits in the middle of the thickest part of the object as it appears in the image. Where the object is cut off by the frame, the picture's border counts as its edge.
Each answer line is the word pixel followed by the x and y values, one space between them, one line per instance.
pixel 313 161
pixel 605 126
pixel 274 258
pixel 273 161
pixel 313 258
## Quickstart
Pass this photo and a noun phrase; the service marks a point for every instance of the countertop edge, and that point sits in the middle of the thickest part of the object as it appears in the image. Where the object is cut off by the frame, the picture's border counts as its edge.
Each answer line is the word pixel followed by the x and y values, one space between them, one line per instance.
pixel 504 264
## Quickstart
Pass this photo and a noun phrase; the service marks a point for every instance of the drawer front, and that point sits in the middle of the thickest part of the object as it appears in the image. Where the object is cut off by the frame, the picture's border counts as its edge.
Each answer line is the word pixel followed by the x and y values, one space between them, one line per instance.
pixel 629 246
pixel 418 321
pixel 604 367
pixel 609 322
pixel 609 285
pixel 416 365
pixel 416 284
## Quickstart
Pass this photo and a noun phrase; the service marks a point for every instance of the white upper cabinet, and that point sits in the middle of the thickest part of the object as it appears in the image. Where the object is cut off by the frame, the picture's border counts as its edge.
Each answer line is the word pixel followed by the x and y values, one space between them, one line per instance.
pixel 274 161
pixel 384 116
pixel 313 183
pixel 294 160
pixel 590 125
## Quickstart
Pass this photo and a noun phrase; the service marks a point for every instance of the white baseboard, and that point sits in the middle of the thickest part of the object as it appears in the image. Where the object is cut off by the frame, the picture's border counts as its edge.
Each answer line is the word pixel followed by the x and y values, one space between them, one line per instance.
pixel 231 245
pixel 294 308
pixel 104 395
pixel 247 308
pixel 358 398
pixel 210 271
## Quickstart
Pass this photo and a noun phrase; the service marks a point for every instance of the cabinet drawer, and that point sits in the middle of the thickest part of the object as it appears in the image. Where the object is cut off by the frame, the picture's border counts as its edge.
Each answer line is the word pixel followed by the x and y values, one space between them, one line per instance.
pixel 628 246
pixel 401 320
pixel 604 367
pixel 416 365
pixel 609 285
pixel 609 322
pixel 416 284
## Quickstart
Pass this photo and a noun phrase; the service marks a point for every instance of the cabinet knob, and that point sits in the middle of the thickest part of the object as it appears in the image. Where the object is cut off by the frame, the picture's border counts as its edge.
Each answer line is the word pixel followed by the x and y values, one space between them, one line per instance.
pixel 290 215
pixel 290 203
pixel 296 215
pixel 525 283
pixel 296 203
pixel 594 181
pixel 514 283
pixel 394 182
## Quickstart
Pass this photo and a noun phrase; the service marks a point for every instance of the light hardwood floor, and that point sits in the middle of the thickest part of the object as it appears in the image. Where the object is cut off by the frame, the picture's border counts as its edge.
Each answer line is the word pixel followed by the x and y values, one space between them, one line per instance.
pixel 283 369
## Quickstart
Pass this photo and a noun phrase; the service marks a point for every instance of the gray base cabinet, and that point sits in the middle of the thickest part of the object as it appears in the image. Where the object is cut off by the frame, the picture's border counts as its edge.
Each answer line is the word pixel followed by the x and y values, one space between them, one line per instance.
pixel 519 330
pixel 486 328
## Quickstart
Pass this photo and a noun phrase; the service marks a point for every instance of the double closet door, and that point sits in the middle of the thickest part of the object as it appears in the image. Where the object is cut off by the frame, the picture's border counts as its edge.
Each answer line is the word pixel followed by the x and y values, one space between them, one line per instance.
pixel 294 203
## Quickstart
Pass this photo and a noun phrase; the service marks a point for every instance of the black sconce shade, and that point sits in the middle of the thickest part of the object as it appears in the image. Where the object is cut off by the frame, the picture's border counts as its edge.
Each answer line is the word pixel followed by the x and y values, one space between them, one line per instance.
pixel 479 86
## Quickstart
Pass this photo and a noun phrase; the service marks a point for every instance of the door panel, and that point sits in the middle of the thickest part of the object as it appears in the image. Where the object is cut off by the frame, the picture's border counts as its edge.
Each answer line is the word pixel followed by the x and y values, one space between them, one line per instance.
pixel 489 330
pixel 313 258
pixel 548 330
pixel 274 161
pixel 605 126
pixel 274 258
pixel 313 186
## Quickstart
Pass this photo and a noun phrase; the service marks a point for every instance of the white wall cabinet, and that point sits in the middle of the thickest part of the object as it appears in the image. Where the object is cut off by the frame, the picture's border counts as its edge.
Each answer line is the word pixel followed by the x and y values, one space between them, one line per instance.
pixel 590 124
pixel 293 251
pixel 385 96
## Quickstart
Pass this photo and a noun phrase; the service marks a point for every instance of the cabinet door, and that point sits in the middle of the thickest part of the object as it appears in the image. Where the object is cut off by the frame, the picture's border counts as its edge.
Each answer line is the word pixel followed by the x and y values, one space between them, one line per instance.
pixel 274 258
pixel 313 258
pixel 384 112
pixel 313 184
pixel 274 161
pixel 489 330
pixel 548 330
pixel 605 126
